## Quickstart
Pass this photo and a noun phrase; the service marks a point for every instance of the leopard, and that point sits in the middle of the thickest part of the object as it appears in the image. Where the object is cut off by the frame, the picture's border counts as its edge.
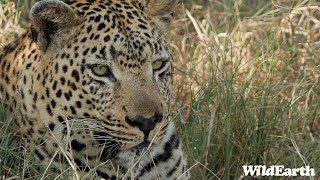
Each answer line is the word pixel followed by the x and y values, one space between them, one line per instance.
pixel 91 81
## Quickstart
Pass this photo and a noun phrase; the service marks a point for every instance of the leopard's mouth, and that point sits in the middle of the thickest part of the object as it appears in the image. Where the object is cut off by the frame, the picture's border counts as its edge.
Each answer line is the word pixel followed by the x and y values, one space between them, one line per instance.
pixel 143 145
pixel 119 140
pixel 112 149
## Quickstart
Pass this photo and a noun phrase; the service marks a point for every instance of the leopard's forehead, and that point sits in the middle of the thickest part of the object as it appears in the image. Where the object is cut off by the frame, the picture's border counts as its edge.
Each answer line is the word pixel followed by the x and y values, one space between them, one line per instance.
pixel 120 32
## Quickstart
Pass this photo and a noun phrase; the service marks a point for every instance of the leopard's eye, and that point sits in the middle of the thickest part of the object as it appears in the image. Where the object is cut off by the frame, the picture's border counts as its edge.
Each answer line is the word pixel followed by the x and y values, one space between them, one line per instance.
pixel 101 71
pixel 156 65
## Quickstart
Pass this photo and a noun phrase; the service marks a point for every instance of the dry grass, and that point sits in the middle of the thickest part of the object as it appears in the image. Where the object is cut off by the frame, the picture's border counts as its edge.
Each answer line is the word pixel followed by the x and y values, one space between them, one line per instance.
pixel 9 23
pixel 246 83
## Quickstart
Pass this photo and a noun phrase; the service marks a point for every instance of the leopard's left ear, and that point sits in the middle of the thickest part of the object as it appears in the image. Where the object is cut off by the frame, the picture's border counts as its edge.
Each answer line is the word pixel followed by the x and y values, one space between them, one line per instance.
pixel 161 11
pixel 53 23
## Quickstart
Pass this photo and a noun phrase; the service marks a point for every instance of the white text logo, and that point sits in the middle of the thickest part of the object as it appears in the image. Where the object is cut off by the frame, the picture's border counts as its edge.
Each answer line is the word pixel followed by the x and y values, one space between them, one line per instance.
pixel 278 170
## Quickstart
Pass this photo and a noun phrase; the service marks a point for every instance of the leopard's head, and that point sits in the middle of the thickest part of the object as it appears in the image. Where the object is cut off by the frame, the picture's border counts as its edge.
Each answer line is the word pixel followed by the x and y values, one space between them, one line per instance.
pixel 107 64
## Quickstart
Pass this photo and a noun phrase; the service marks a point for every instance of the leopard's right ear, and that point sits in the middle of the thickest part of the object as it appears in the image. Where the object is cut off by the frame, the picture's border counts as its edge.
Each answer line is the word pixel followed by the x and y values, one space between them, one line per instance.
pixel 161 11
pixel 53 23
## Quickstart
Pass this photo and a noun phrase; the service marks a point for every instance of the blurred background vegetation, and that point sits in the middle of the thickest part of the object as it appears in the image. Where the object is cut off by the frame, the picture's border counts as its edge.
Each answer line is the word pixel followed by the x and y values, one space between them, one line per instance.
pixel 246 87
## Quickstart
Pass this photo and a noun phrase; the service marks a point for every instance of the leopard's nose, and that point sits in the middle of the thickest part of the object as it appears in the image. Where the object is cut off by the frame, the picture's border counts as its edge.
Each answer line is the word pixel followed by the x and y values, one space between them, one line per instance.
pixel 144 124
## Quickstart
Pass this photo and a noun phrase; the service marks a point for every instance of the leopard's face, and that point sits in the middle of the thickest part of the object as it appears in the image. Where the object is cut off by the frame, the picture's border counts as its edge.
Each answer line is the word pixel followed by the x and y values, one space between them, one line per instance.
pixel 113 73
pixel 92 80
